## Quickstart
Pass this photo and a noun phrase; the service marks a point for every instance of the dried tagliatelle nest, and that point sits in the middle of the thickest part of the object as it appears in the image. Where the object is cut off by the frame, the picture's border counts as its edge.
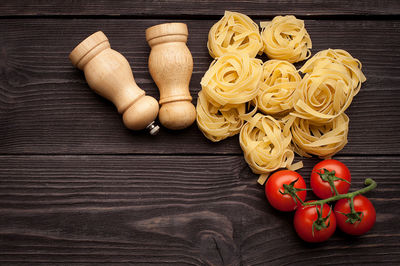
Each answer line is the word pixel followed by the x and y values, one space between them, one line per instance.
pixel 279 81
pixel 333 78
pixel 264 145
pixel 286 38
pixel 300 115
pixel 323 140
pixel 232 79
pixel 323 95
pixel 235 32
pixel 220 122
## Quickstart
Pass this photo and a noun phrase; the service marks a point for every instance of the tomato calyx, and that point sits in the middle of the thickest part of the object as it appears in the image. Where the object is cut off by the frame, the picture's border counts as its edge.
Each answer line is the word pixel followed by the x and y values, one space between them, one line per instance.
pixel 353 216
pixel 320 222
pixel 289 189
pixel 330 177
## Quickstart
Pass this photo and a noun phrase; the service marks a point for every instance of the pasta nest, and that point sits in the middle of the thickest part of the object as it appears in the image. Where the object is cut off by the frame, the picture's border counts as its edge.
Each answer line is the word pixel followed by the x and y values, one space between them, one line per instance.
pixel 279 80
pixel 323 140
pixel 218 123
pixel 286 38
pixel 340 61
pixel 235 32
pixel 323 95
pixel 264 145
pixel 232 79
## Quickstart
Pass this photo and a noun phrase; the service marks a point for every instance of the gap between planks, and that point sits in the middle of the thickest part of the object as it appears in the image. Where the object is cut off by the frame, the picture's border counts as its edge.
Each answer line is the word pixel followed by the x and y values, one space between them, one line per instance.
pixel 347 155
pixel 199 17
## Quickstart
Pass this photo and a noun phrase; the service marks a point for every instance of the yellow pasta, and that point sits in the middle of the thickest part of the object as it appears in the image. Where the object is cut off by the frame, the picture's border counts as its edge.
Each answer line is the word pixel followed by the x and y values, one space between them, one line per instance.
pixel 235 32
pixel 264 145
pixel 323 95
pixel 286 38
pixel 218 123
pixel 232 79
pixel 338 60
pixel 311 110
pixel 323 140
pixel 276 89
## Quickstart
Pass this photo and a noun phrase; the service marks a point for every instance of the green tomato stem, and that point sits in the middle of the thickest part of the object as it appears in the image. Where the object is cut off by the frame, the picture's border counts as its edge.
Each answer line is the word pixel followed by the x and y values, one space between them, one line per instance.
pixel 334 187
pixel 352 205
pixel 370 185
pixel 298 198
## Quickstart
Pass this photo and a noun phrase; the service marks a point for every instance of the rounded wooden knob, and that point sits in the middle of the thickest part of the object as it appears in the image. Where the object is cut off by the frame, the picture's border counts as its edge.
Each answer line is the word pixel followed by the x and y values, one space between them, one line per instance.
pixel 171 66
pixel 177 115
pixel 109 74
pixel 141 113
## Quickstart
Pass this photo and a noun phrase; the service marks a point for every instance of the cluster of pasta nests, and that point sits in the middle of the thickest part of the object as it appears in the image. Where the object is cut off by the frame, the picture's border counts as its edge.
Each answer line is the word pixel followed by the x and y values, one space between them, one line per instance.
pixel 296 114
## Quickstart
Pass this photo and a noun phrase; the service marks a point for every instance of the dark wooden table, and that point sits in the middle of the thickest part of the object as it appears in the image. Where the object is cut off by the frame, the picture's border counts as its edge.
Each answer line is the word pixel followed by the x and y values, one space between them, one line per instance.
pixel 77 187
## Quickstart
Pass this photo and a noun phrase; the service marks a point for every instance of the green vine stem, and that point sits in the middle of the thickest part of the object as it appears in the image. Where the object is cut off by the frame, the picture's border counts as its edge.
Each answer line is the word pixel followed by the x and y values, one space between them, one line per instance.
pixel 370 185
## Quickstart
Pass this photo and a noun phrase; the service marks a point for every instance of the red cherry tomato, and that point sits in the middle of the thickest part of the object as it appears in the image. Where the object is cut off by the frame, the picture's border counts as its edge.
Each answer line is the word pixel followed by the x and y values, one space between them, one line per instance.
pixel 274 187
pixel 367 215
pixel 306 216
pixel 321 188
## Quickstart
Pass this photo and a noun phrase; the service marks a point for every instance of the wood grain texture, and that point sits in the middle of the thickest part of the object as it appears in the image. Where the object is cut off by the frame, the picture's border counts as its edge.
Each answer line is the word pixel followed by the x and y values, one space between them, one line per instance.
pixel 77 187
pixel 203 8
pixel 185 210
pixel 47 108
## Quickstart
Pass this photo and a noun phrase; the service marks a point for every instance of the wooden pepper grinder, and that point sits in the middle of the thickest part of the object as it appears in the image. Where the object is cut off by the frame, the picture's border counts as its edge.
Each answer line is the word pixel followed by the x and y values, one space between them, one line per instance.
pixel 171 66
pixel 109 74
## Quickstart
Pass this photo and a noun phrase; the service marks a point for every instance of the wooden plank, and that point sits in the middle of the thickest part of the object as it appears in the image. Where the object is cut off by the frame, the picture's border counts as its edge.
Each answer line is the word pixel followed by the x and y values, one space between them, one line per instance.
pixel 204 8
pixel 174 209
pixel 47 108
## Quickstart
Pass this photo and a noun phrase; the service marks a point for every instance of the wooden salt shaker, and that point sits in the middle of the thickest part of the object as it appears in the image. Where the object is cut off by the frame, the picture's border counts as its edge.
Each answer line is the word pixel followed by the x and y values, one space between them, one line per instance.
pixel 109 74
pixel 171 66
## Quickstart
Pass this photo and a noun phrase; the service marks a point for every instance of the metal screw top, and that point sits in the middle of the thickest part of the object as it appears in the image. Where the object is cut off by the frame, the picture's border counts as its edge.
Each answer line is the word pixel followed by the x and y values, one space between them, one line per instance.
pixel 153 128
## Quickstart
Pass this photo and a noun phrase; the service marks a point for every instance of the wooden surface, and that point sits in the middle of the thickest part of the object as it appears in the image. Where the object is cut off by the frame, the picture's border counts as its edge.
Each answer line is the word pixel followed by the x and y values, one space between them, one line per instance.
pixel 203 8
pixel 76 186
